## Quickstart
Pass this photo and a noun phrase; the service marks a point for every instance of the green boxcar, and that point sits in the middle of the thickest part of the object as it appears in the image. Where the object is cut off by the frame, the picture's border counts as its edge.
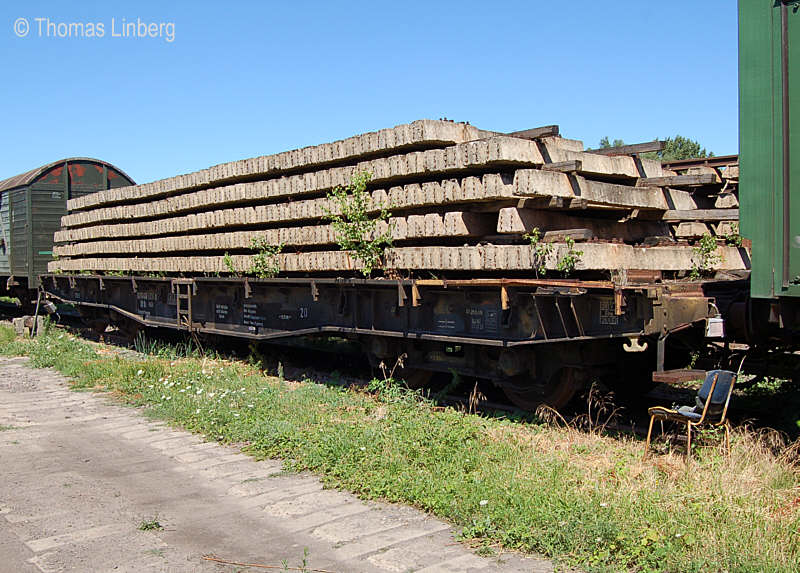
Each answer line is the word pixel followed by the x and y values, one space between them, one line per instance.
pixel 31 207
pixel 769 138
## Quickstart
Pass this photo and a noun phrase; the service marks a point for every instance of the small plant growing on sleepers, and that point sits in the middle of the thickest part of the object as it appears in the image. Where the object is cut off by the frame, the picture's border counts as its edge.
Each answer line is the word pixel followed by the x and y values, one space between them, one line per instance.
pixel 227 260
pixel 706 256
pixel 266 261
pixel 541 250
pixel 357 231
pixel 571 258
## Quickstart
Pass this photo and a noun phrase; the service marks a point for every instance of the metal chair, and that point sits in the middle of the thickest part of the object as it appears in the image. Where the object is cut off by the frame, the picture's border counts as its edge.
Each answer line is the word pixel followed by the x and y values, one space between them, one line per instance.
pixel 711 409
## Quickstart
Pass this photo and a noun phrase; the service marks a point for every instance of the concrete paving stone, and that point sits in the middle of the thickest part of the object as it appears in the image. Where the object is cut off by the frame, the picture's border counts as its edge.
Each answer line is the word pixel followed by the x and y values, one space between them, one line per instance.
pixel 309 503
pixel 211 462
pixel 461 564
pixel 329 514
pixel 353 527
pixel 55 541
pixel 229 470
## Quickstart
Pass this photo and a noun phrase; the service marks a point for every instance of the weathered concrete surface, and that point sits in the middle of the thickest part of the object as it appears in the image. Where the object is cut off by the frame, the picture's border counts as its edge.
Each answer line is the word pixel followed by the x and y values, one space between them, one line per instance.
pixel 432 225
pixel 434 164
pixel 424 132
pixel 481 258
pixel 498 150
pixel 78 476
pixel 596 164
pixel 489 187
pixel 515 220
pixel 484 153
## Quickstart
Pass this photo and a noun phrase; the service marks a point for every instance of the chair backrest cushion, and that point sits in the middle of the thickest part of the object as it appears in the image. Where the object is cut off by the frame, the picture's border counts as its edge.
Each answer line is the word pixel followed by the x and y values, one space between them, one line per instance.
pixel 721 390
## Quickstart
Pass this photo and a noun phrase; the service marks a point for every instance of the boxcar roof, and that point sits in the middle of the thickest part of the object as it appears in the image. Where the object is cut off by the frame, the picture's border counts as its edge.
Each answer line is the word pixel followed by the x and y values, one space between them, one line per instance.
pixel 29 177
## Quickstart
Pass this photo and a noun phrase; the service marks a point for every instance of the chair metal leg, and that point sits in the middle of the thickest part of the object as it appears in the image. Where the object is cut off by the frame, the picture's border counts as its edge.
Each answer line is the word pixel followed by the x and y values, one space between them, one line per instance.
pixel 649 433
pixel 688 441
pixel 727 438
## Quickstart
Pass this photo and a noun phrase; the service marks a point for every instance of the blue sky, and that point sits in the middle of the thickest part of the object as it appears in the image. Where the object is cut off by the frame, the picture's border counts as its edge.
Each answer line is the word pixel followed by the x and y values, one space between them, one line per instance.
pixel 242 79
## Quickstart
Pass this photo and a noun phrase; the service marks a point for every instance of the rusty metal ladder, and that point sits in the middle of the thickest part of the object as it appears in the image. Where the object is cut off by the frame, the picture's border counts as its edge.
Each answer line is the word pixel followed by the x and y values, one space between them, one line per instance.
pixel 184 289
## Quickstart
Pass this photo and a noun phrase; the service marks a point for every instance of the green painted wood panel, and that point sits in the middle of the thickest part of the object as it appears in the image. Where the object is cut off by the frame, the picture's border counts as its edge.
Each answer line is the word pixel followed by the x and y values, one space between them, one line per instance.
pixel 761 147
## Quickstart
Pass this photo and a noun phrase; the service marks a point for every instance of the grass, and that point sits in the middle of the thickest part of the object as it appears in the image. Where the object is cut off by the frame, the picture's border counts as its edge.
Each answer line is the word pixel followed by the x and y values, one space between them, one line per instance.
pixel 150 524
pixel 6 428
pixel 581 497
pixel 7 335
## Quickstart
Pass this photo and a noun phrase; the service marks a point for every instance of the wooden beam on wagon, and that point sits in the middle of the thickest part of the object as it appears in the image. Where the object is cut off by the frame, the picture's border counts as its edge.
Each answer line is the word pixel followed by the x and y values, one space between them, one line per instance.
pixel 536 132
pixel 564 166
pixel 634 149
pixel 701 215
pixel 678 180
pixel 574 234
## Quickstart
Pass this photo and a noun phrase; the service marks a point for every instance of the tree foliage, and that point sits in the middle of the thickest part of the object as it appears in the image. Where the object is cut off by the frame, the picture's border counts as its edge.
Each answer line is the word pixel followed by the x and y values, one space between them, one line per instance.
pixel 675 148
pixel 605 143
pixel 679 147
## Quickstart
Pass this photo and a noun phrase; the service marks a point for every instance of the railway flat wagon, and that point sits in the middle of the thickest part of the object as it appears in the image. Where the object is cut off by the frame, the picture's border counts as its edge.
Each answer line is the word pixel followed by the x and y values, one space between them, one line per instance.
pixel 520 258
pixel 31 207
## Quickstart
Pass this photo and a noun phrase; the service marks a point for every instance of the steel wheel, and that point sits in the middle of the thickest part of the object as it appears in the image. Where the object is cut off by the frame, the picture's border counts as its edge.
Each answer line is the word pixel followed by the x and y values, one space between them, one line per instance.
pixel 556 393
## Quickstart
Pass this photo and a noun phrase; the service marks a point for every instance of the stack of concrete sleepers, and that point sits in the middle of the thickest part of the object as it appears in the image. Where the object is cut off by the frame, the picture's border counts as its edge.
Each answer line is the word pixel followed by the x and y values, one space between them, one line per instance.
pixel 461 199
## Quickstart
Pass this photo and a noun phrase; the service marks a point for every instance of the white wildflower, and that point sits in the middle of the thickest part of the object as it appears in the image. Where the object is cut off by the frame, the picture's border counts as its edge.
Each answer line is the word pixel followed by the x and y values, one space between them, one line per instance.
pixel 484 502
pixel 140 372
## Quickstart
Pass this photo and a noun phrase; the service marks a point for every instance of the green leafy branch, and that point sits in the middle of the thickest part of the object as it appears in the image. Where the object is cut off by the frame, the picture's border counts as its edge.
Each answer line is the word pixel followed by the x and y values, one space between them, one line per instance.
pixel 543 249
pixel 706 257
pixel 266 262
pixel 733 238
pixel 357 231
pixel 227 260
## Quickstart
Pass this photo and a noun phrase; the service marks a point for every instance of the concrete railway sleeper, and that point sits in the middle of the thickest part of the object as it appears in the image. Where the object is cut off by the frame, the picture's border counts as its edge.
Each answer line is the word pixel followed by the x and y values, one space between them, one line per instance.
pixel 538 340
